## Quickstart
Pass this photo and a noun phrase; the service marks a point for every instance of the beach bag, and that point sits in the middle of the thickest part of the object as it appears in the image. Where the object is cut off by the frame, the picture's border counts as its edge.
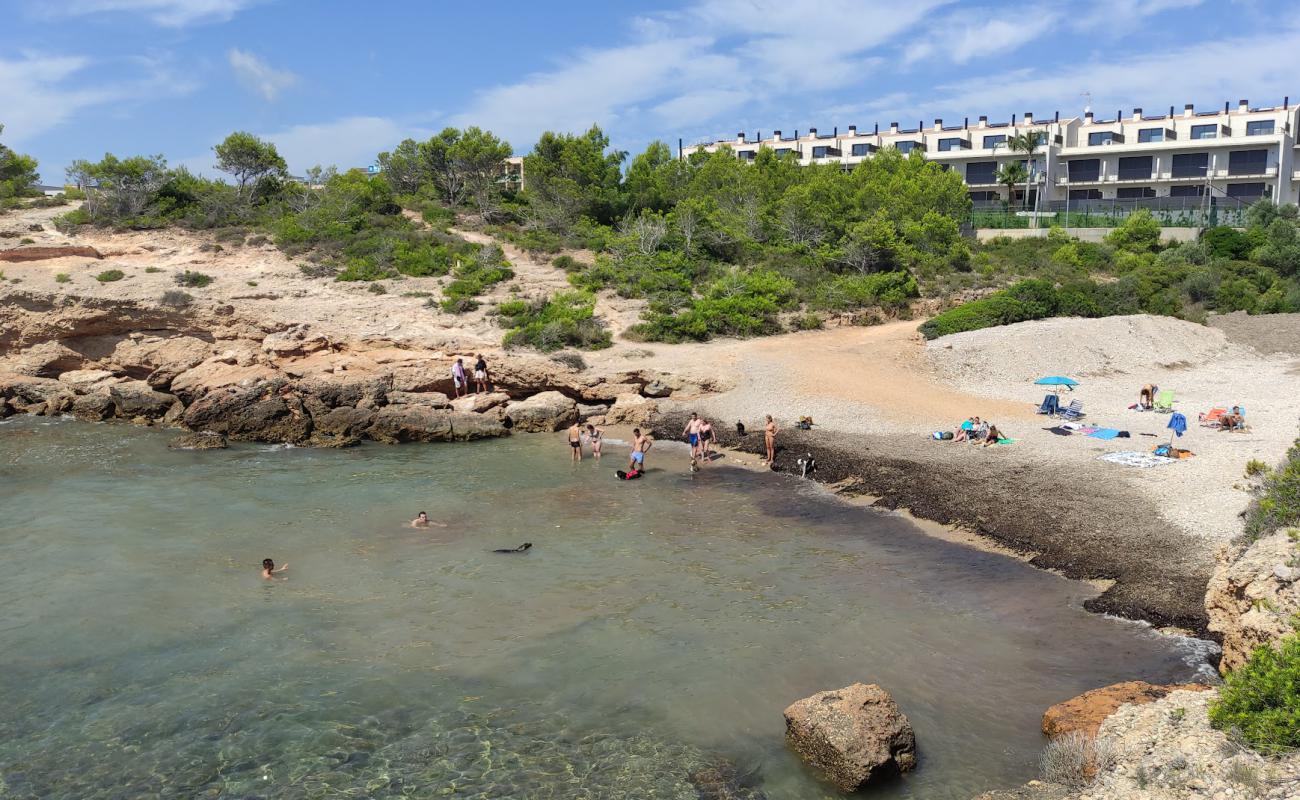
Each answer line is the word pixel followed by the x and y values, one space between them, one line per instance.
pixel 942 435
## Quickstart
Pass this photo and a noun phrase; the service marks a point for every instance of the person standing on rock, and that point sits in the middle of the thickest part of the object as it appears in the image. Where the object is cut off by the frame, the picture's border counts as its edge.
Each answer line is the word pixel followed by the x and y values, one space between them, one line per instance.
pixel 481 383
pixel 575 441
pixel 692 434
pixel 769 439
pixel 461 388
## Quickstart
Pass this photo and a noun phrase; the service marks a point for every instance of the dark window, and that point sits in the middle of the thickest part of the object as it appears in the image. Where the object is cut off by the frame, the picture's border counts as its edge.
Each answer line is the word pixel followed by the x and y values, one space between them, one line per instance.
pixel 1247 162
pixel 1135 168
pixel 1041 138
pixel 983 197
pixel 978 172
pixel 1246 189
pixel 1103 137
pixel 780 151
pixel 907 147
pixel 820 152
pixel 991 141
pixel 1190 165
pixel 951 144
pixel 1260 127
pixel 1085 169
pixel 1195 190
pixel 1205 131
pixel 1151 135
pixel 1085 194
pixel 1134 192
pixel 863 149
pixel 747 155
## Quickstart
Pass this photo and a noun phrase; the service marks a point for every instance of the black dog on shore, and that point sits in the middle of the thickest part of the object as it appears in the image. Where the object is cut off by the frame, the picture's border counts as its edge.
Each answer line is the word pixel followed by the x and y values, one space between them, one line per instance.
pixel 740 428
pixel 523 548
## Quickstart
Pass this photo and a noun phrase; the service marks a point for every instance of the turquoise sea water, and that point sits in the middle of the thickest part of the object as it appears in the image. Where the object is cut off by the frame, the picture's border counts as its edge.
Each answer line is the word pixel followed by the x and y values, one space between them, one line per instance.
pixel 655 628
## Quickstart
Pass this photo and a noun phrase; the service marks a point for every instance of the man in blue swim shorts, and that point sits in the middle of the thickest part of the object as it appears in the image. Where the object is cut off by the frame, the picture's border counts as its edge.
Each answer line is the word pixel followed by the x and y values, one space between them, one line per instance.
pixel 692 434
pixel 640 445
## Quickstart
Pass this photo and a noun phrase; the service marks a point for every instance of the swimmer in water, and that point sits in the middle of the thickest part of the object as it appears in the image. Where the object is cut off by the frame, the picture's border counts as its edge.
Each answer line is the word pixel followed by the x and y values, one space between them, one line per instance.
pixel 422 521
pixel 269 570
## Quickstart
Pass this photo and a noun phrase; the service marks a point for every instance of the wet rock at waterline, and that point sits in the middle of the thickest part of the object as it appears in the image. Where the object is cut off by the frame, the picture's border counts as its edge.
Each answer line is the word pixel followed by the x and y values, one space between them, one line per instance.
pixel 852 735
pixel 198 441
pixel 543 413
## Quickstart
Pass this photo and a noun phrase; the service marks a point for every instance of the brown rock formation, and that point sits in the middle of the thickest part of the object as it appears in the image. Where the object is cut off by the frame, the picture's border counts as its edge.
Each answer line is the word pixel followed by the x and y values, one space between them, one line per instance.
pixel 1253 596
pixel 852 735
pixel 42 253
pixel 1087 711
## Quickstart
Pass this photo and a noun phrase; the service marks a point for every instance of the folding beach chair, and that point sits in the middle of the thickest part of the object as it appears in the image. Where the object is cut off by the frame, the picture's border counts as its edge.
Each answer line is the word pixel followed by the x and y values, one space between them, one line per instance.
pixel 1210 419
pixel 1165 401
pixel 1051 405
pixel 1073 411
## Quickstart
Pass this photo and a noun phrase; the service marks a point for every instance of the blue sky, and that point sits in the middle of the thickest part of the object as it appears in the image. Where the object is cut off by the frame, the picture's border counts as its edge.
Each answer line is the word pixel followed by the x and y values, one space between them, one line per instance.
pixel 334 82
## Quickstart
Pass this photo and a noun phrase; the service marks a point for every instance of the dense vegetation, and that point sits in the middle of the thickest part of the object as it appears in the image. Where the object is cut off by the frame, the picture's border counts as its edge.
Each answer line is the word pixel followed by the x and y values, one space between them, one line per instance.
pixel 714 244
pixel 1260 701
pixel 1256 270
pixel 1278 506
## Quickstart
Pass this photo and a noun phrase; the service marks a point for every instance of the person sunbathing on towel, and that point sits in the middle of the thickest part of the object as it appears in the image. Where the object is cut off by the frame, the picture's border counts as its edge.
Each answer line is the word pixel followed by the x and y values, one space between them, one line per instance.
pixel 992 436
pixel 1233 419
pixel 963 432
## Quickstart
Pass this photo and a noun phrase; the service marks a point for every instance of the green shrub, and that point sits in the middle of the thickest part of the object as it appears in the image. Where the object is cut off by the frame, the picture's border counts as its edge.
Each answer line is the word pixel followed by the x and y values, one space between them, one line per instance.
pixel 739 304
pixel 565 320
pixel 566 262
pixel 110 275
pixel 193 280
pixel 473 276
pixel 176 298
pixel 1279 503
pixel 62 277
pixel 1026 300
pixel 1224 242
pixel 438 216
pixel 849 292
pixel 27 240
pixel 1260 701
pixel 809 322
pixel 1255 467
pixel 376 288
pixel 152 270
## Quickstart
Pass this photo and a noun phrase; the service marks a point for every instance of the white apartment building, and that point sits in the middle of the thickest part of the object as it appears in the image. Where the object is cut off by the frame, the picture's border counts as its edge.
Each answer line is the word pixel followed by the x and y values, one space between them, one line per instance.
pixel 1233 155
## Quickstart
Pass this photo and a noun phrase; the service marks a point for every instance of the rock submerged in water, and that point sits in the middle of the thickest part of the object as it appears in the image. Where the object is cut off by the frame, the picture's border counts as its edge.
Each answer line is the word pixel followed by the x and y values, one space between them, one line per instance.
pixel 198 441
pixel 852 735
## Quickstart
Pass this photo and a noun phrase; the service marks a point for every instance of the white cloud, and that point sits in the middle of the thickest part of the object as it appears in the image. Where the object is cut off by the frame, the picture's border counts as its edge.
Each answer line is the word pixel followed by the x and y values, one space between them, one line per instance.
pixel 259 76
pixel 699 64
pixel 41 92
pixel 1202 72
pixel 168 13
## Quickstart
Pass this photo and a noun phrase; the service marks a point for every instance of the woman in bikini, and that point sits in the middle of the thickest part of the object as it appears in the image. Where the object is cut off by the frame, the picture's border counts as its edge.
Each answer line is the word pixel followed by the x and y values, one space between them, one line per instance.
pixel 593 437
pixel 769 438
pixel 707 438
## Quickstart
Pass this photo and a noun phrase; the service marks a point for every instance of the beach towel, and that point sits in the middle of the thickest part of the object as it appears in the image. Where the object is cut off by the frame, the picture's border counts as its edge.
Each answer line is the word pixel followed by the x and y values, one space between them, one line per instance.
pixel 1104 433
pixel 1005 440
pixel 1060 430
pixel 1129 458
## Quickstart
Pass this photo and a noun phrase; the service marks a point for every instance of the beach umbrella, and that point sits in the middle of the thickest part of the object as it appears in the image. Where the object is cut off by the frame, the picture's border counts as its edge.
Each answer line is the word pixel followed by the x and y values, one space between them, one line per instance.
pixel 1057 381
pixel 1177 424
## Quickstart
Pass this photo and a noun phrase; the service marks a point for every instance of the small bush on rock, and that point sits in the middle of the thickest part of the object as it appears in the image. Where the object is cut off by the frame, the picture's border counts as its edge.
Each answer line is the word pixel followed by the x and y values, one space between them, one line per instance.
pixel 62 277
pixel 1072 759
pixel 565 320
pixel 176 298
pixel 194 280
pixel 110 275
pixel 1260 701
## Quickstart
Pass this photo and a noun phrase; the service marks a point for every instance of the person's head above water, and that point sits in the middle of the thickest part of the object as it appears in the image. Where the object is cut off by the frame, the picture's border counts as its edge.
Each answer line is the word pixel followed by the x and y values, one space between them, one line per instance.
pixel 268 564
pixel 422 515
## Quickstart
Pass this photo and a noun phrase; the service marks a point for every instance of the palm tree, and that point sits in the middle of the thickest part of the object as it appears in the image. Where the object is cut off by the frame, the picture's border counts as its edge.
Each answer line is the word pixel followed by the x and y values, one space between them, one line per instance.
pixel 1012 173
pixel 1026 142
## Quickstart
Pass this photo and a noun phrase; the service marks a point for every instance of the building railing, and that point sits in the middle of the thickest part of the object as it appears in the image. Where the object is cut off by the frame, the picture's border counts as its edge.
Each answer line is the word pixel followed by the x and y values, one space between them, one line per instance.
pixel 1172 212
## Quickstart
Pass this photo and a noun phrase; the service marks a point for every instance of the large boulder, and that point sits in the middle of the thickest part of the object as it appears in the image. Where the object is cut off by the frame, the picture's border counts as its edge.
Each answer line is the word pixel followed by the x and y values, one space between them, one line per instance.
pixel 410 423
pixel 632 409
pixel 139 399
pixel 465 427
pixel 543 413
pixel 27 389
pixel 852 735
pixel 1087 711
pixel 296 341
pixel 44 253
pixel 430 399
pixel 93 407
pixel 198 441
pixel 255 414
pixel 478 403
pixel 1254 596
pixel 87 380
pixel 46 360
pixel 340 427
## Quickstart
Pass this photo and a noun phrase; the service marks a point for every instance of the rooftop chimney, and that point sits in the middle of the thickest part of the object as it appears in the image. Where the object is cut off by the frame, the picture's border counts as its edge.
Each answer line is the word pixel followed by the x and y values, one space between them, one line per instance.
pixel 1029 118
pixel 1243 106
pixel 1137 115
pixel 812 133
pixel 1171 112
pixel 983 123
pixel 1087 118
pixel 893 127
pixel 776 135
pixel 853 130
pixel 938 124
pixel 1188 110
pixel 740 138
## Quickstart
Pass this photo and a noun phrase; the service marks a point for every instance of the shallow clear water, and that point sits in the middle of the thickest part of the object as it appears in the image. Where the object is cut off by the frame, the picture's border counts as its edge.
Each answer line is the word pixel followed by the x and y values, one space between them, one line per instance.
pixel 656 626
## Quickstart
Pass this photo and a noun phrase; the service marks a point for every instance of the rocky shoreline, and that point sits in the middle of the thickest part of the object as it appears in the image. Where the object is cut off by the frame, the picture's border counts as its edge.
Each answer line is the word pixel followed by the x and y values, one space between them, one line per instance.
pixel 210 371
pixel 1040 514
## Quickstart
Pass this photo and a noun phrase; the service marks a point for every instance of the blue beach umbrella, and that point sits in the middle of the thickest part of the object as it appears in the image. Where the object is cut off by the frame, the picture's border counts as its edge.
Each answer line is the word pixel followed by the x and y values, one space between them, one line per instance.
pixel 1058 381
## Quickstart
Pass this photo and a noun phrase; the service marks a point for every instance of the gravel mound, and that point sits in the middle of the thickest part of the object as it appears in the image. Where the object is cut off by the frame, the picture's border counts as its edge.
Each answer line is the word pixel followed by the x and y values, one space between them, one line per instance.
pixel 1079 348
pixel 1265 333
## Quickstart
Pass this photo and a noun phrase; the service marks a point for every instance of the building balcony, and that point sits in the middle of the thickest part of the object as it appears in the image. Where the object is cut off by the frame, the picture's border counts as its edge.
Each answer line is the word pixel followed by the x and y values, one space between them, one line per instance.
pixel 1266 172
